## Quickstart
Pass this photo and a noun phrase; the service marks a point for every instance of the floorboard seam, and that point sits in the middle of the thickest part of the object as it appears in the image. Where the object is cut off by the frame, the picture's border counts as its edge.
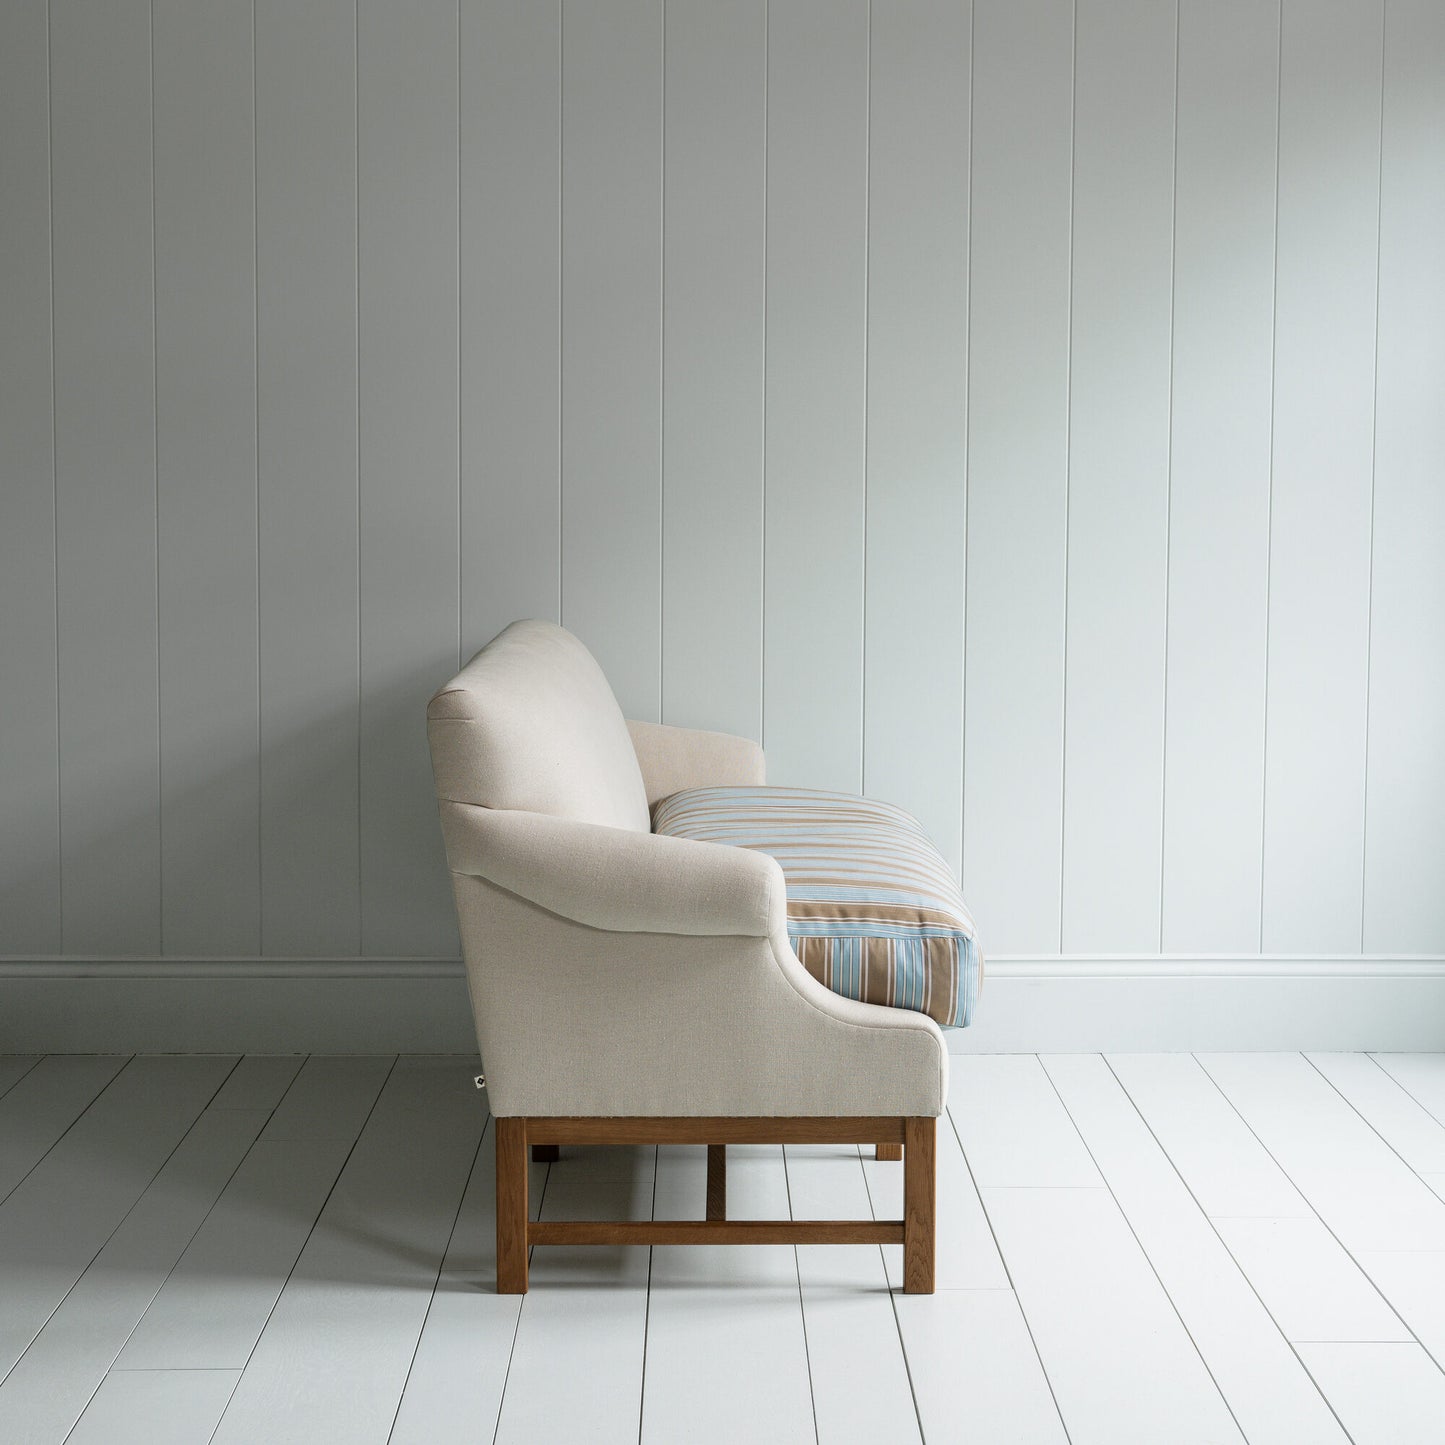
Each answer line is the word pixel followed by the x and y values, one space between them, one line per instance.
pixel 521 1308
pixel 85 1109
pixel 1375 1059
pixel 35 1064
pixel 647 1302
pixel 340 1174
pixel 1008 1273
pixel 441 1268
pixel 120 1223
pixel 892 1299
pixel 1324 1224
pixel 1365 1119
pixel 1263 1303
pixel 1134 1234
pixel 802 1308
pixel 246 1154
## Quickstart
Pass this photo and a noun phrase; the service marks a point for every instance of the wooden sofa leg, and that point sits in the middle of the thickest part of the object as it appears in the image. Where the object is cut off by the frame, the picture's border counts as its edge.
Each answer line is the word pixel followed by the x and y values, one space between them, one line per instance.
pixel 919 1192
pixel 717 1181
pixel 546 1153
pixel 888 1151
pixel 511 1206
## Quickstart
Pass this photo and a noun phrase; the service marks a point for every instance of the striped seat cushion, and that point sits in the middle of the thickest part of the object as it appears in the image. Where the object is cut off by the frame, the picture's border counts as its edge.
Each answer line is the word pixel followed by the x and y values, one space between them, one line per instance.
pixel 873 910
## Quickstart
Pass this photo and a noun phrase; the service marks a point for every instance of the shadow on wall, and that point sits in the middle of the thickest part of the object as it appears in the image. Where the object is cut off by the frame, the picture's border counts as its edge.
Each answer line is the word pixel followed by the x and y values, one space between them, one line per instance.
pixel 29 878
pixel 322 841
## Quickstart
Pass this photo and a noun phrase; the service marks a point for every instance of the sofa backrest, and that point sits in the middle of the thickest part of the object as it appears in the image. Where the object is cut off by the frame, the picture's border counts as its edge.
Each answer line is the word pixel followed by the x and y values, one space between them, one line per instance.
pixel 531 723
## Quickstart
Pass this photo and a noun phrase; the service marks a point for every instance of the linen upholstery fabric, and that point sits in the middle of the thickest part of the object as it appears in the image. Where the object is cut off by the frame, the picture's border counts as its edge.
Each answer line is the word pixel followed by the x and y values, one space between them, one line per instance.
pixel 531 723
pixel 616 972
pixel 675 758
pixel 577 1019
pixel 873 910
pixel 613 878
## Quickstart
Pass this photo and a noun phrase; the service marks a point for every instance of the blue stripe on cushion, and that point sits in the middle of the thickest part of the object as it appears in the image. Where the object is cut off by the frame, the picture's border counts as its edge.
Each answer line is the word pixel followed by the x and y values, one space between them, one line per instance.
pixel 874 911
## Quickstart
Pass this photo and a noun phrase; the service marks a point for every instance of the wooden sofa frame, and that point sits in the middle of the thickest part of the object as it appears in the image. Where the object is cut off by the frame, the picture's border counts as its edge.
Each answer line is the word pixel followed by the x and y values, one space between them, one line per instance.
pixel 914 1137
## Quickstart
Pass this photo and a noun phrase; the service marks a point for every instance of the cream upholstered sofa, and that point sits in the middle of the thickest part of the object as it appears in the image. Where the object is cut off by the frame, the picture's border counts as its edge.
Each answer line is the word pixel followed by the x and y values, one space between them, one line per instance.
pixel 636 988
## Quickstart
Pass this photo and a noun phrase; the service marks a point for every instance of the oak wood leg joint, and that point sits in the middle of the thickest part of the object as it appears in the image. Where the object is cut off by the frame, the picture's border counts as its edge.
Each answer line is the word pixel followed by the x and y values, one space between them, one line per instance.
pixel 892 1152
pixel 919 1195
pixel 717 1181
pixel 511 1206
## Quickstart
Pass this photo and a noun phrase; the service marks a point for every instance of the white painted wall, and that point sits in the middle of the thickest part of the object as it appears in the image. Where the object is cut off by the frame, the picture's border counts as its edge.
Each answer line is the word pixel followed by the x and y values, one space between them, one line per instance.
pixel 1027 412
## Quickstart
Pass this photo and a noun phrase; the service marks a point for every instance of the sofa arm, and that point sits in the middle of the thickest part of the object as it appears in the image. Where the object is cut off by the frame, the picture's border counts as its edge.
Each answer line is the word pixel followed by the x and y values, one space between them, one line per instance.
pixel 673 758
pixel 576 1020
pixel 614 879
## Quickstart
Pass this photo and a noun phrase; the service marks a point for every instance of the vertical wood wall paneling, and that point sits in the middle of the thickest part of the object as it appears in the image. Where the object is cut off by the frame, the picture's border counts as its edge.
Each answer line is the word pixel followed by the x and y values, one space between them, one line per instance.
pixel 306 207
pixel 407 82
pixel 1219 476
pixel 1326 278
pixel 814 485
pixel 511 439
pixel 715 93
pixel 29 753
pixel 266 460
pixel 105 468
pixel 612 342
pixel 1405 806
pixel 1017 470
pixel 206 477
pixel 918 98
pixel 1123 223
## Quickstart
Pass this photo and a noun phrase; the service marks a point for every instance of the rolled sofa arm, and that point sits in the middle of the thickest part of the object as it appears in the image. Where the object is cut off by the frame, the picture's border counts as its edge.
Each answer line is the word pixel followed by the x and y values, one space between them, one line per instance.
pixel 617 880
pixel 674 758
pixel 621 973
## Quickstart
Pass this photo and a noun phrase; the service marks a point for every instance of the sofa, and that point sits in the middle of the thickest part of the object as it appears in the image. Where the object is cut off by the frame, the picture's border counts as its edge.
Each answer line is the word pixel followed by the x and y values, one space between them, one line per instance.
pixel 630 987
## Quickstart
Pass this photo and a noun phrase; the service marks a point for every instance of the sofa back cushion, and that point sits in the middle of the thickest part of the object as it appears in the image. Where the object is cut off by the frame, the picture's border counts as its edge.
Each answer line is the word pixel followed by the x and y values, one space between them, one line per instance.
pixel 531 723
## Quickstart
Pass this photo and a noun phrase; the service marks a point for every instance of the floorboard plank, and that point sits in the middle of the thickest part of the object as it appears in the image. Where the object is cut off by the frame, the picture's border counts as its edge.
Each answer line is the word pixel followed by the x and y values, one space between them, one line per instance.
pixel 333 1358
pixel 57 1220
pixel 245 1250
pixel 14 1067
pixel 1092 1301
pixel 1414 1284
pixel 259 1081
pixel 1357 1184
pixel 454 1390
pixel 155 1407
pixel 1014 1131
pixel 330 1098
pixel 1385 1394
pixel 1226 1168
pixel 1406 1126
pixel 211 1311
pixel 1269 1391
pixel 859 1377
pixel 576 1371
pixel 43 1104
pixel 1422 1076
pixel 975 1372
pixel 1314 1290
pixel 720 1314
pixel 48 1390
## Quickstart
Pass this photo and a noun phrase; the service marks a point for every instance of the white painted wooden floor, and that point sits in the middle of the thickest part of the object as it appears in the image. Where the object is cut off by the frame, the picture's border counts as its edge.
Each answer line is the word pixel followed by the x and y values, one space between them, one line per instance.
pixel 1154 1248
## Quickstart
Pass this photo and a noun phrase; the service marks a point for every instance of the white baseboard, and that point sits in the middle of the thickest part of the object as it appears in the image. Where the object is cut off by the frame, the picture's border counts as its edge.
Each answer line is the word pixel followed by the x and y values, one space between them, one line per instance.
pixel 1047 1004
pixel 1220 1003
pixel 284 1006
